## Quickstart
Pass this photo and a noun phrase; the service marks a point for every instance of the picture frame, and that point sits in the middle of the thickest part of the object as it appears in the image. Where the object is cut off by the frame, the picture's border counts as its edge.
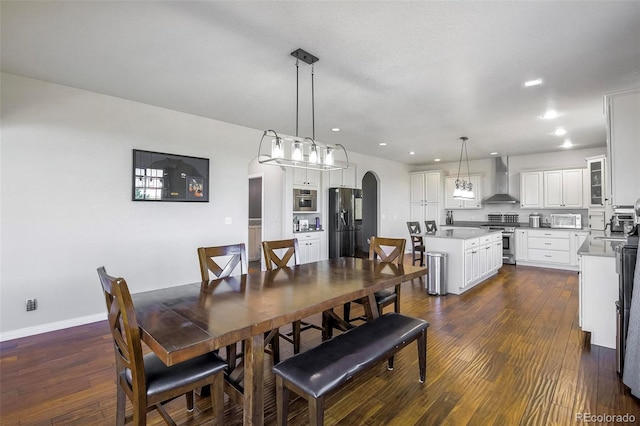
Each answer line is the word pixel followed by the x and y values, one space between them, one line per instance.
pixel 159 176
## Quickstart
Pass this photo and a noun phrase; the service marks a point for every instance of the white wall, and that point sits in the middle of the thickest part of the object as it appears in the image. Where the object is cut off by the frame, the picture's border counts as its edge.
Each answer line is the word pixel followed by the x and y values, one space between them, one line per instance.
pixel 66 209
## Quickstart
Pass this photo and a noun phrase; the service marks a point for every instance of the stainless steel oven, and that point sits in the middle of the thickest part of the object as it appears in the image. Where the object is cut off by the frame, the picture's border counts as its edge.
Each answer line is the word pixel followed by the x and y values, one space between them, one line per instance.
pixel 305 200
pixel 508 242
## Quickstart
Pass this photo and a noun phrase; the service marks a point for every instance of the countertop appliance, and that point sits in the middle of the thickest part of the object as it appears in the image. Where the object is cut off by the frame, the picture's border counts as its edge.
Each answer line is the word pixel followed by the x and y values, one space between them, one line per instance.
pixel 623 219
pixel 534 220
pixel 305 200
pixel 566 220
pixel 626 257
pixel 345 222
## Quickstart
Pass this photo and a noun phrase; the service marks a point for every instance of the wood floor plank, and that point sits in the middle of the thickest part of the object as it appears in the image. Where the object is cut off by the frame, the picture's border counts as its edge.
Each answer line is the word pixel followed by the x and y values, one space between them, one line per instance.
pixel 507 352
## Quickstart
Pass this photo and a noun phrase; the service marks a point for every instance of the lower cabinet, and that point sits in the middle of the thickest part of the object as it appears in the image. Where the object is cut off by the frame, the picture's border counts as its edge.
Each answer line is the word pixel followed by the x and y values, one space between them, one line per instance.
pixel 482 258
pixel 309 245
pixel 549 248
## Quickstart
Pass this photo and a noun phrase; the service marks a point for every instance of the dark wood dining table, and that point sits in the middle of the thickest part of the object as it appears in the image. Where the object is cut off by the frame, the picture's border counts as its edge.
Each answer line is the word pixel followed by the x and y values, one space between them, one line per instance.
pixel 184 321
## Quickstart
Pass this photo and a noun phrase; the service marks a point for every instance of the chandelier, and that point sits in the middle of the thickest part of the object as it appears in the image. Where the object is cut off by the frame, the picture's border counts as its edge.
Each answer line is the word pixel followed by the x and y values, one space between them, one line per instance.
pixel 301 152
pixel 464 189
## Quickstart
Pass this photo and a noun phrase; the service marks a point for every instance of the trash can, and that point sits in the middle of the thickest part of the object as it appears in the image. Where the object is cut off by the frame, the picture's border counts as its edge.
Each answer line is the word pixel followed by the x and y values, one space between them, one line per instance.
pixel 437 273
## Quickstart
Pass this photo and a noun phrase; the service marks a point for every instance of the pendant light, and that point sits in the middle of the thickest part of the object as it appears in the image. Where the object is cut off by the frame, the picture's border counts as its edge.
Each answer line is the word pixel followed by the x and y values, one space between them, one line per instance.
pixel 295 151
pixel 463 189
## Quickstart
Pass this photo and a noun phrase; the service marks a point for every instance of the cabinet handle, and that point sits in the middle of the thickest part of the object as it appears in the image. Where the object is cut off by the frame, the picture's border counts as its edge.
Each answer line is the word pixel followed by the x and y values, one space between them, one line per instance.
pixel 474 251
pixel 546 255
pixel 547 244
pixel 547 234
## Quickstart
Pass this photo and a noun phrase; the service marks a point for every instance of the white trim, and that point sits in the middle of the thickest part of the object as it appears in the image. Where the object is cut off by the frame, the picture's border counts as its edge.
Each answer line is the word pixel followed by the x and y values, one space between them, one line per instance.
pixel 45 328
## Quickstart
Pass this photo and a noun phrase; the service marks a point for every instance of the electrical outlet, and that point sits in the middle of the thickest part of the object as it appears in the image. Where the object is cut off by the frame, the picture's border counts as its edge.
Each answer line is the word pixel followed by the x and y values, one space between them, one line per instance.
pixel 32 304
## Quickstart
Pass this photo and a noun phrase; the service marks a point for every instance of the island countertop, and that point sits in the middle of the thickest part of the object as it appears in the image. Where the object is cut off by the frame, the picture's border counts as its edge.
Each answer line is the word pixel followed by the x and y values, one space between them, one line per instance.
pixel 459 233
pixel 600 244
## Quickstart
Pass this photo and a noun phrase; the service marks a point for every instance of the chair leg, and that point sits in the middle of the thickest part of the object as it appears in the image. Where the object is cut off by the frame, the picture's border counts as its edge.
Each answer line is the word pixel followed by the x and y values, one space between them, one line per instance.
pixel 296 336
pixel 275 348
pixel 121 403
pixel 347 311
pixel 140 413
pixel 316 411
pixel 422 355
pixel 327 326
pixel 217 398
pixel 282 401
pixel 189 396
pixel 390 363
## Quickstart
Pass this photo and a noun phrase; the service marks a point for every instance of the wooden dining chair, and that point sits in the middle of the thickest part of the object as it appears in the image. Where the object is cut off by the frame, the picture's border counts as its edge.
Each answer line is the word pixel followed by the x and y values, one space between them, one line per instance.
pixel 235 259
pixel 417 243
pixel 388 250
pixel 279 254
pixel 146 380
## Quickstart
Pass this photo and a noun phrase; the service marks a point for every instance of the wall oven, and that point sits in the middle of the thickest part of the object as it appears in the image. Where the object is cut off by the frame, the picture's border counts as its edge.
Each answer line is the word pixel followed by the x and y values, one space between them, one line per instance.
pixel 305 200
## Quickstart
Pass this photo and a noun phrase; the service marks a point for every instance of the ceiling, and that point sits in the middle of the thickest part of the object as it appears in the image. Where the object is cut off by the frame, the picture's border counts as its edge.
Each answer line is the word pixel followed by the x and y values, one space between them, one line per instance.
pixel 414 75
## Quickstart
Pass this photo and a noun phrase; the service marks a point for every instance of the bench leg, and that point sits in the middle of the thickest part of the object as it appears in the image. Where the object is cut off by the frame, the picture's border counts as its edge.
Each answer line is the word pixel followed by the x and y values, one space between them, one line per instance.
pixel 282 401
pixel 316 411
pixel 422 355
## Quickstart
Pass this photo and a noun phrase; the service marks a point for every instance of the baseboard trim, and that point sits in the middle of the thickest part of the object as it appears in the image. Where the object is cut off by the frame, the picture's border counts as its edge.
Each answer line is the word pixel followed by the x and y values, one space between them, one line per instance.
pixel 45 328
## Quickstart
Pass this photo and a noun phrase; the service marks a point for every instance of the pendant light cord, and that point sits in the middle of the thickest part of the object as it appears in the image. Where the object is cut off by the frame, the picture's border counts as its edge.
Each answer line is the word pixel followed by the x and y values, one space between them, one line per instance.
pixel 313 107
pixel 297 94
pixel 467 156
pixel 460 161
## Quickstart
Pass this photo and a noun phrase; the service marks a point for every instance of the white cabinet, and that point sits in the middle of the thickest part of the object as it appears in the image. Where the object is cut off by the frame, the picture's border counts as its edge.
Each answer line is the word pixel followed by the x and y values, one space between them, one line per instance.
pixel 531 190
pixel 426 196
pixel 577 238
pixel 596 183
pixel 306 177
pixel 452 203
pixel 623 145
pixel 497 254
pixel 521 244
pixel 344 178
pixel 563 189
pixel 598 294
pixel 309 245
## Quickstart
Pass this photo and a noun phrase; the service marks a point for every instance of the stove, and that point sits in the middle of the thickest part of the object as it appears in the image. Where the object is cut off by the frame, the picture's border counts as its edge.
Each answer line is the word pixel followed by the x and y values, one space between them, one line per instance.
pixel 507 223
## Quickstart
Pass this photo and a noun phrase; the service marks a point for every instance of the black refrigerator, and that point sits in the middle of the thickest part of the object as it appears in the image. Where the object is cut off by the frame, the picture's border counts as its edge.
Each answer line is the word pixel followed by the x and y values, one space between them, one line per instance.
pixel 345 222
pixel 626 258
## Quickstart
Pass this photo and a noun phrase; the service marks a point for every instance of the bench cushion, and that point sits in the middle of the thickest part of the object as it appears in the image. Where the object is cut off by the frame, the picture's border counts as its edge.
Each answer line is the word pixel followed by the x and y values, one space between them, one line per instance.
pixel 332 363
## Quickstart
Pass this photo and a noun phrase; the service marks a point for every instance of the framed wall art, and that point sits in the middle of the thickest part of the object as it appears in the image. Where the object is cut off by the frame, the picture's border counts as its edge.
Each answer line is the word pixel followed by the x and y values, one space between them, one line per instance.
pixel 158 176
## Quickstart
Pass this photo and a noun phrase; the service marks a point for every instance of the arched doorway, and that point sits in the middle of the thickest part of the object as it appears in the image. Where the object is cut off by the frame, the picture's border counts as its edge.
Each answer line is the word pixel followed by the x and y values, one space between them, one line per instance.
pixel 369 210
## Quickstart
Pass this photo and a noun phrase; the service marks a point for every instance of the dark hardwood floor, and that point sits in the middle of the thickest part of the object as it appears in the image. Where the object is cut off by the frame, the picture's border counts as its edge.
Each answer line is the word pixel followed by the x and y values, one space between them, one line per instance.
pixel 507 353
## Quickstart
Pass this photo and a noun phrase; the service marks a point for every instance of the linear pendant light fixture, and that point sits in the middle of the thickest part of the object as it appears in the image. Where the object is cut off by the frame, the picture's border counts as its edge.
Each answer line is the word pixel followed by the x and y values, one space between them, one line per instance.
pixel 301 152
pixel 464 189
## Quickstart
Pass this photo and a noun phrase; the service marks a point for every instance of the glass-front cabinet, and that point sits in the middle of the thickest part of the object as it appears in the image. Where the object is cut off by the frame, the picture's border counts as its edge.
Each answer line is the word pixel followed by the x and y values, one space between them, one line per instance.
pixel 597 188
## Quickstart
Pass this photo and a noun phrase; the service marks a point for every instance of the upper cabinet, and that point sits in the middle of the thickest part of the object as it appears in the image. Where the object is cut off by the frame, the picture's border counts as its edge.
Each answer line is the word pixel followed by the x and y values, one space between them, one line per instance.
pixel 425 187
pixel 452 203
pixel 306 177
pixel 531 190
pixel 344 178
pixel 597 189
pixel 623 145
pixel 563 189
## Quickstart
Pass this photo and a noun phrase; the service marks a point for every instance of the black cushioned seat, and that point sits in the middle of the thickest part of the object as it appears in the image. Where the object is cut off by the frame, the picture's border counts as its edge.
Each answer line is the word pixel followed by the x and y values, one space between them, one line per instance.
pixel 326 367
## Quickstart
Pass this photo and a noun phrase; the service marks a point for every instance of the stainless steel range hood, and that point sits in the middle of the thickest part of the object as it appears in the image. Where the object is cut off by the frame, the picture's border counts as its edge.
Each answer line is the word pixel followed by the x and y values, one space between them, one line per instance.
pixel 501 183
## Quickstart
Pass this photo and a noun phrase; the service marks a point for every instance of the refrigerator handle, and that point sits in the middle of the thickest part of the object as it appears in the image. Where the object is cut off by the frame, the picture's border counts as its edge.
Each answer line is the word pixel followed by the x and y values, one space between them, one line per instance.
pixel 342 217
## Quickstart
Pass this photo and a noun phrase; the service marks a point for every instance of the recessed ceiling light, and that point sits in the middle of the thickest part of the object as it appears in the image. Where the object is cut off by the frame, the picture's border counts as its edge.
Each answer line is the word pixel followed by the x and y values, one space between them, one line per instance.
pixel 550 114
pixel 531 83
pixel 411 153
pixel 382 144
pixel 567 143
pixel 494 153
pixel 335 129
pixel 436 159
pixel 560 132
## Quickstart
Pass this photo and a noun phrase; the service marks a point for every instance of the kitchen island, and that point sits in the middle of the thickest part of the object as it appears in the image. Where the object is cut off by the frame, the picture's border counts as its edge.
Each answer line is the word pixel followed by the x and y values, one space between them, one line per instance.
pixel 473 255
pixel 598 282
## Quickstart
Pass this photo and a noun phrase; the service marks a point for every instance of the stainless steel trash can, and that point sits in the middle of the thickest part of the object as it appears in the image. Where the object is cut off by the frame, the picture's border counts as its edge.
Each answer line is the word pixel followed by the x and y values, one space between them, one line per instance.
pixel 437 273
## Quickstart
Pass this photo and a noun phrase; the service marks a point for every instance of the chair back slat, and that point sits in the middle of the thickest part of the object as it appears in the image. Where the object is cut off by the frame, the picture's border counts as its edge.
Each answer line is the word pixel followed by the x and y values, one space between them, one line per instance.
pixel 414 228
pixel 379 248
pixel 236 254
pixel 272 258
pixel 124 330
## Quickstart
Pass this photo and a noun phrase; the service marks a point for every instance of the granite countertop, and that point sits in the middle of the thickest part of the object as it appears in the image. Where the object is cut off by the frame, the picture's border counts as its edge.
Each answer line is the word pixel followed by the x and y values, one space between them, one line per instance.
pixel 460 234
pixel 521 225
pixel 595 245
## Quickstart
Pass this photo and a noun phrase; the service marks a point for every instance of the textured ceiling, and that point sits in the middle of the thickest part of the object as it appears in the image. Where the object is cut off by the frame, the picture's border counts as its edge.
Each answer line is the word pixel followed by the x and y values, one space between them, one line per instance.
pixel 416 75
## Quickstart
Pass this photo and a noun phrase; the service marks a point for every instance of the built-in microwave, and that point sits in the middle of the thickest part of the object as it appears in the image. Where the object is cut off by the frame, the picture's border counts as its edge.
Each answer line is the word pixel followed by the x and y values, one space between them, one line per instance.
pixel 305 200
pixel 566 220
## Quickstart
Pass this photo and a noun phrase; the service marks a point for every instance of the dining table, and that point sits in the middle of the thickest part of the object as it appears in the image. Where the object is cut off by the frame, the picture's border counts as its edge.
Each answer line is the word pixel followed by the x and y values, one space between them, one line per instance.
pixel 184 321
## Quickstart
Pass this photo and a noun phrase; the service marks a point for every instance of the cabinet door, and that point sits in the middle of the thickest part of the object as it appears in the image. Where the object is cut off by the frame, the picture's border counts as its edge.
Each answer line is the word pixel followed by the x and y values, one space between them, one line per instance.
pixel 476 203
pixel 497 255
pixel 343 178
pixel 572 188
pixel 313 250
pixel 299 176
pixel 597 186
pixel 417 213
pixel 468 267
pixel 553 188
pixel 432 187
pixel 531 190
pixel 449 201
pixel 577 238
pixel 313 177
pixel 521 244
pixel 486 260
pixel 418 187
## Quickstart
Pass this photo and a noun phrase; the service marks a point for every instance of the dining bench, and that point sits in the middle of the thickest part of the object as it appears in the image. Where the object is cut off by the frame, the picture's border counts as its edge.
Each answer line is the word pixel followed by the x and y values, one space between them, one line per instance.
pixel 325 368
